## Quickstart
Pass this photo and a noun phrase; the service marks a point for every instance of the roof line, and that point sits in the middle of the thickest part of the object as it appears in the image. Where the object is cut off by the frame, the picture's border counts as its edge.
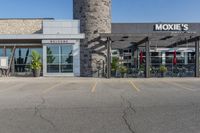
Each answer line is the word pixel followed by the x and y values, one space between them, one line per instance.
pixel 25 18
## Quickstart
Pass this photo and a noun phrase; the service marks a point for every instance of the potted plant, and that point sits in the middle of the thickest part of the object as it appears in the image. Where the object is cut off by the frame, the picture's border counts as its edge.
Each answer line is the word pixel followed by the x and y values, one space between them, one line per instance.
pixel 163 70
pixel 123 70
pixel 114 65
pixel 141 70
pixel 36 63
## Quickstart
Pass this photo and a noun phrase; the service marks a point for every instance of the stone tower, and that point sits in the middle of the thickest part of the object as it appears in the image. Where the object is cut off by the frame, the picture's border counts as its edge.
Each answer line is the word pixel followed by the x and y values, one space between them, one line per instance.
pixel 95 18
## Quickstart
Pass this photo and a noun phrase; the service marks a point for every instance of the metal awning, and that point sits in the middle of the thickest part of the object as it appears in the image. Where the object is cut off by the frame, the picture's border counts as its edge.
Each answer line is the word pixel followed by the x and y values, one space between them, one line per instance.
pixel 125 40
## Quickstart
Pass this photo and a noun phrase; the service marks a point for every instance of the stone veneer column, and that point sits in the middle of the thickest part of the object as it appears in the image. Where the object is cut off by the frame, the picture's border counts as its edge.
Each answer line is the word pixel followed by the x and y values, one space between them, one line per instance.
pixel 95 18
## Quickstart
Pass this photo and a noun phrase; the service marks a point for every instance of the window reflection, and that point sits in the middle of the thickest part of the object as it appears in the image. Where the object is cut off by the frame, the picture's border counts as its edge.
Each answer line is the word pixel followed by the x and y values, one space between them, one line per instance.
pixel 23 58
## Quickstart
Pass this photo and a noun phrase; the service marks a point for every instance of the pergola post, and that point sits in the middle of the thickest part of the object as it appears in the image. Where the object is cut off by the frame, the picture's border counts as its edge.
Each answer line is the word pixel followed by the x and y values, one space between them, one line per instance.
pixel 147 66
pixel 197 58
pixel 108 58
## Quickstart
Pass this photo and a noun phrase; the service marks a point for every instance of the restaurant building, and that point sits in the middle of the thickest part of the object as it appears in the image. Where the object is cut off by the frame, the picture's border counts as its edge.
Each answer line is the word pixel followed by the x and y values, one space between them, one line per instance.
pixel 146 48
pixel 142 49
pixel 57 41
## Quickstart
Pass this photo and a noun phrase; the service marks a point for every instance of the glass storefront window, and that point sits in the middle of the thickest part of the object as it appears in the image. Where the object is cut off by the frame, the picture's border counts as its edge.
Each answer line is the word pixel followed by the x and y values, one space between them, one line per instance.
pixel 191 57
pixel 23 58
pixel 60 59
pixel 184 66
pixel 1 52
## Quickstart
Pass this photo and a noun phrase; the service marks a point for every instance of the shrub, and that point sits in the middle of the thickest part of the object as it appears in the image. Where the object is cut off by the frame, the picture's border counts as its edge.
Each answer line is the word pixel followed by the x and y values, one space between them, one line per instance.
pixel 163 69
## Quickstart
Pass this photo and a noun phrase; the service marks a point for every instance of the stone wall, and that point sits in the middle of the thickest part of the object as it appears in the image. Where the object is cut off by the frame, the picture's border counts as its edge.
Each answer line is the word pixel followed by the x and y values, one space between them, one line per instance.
pixel 95 18
pixel 20 26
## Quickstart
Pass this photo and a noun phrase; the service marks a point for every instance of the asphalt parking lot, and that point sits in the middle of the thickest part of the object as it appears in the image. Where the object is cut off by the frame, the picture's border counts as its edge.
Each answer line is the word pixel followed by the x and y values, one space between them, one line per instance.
pixel 88 105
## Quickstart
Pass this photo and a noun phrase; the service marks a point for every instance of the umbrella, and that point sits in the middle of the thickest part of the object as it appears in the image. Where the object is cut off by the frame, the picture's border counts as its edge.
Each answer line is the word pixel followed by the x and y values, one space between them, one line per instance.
pixel 174 59
pixel 141 57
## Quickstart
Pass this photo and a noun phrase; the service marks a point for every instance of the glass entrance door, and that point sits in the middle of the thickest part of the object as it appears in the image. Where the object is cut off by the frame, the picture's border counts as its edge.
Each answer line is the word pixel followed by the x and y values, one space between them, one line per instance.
pixel 59 58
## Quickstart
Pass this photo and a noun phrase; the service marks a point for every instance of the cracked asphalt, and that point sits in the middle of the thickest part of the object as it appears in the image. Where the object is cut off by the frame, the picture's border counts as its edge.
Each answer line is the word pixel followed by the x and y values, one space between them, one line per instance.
pixel 87 105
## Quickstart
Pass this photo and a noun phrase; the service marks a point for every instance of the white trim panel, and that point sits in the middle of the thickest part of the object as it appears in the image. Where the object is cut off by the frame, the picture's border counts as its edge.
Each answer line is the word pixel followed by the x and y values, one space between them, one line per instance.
pixel 43 36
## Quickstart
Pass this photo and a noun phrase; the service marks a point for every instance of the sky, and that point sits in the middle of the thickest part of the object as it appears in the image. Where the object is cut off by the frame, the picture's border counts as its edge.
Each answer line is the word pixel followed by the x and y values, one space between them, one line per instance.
pixel 122 10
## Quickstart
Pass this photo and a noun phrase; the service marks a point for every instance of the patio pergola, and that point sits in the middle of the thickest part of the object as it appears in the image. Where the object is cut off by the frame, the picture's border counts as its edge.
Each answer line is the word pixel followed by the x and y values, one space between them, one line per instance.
pixel 168 40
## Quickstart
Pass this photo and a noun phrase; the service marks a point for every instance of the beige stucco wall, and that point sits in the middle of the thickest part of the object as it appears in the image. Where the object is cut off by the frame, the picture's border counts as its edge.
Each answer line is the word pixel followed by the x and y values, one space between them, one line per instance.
pixel 20 26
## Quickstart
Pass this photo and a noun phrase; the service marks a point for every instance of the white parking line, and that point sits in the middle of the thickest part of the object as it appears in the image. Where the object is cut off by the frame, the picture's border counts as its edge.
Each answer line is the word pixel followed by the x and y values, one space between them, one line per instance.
pixel 134 86
pixel 94 87
pixel 16 86
pixel 179 85
pixel 52 88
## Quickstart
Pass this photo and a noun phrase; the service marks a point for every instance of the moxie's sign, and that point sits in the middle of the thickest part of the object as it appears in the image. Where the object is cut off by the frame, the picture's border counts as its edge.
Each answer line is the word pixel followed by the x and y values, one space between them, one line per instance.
pixel 171 27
